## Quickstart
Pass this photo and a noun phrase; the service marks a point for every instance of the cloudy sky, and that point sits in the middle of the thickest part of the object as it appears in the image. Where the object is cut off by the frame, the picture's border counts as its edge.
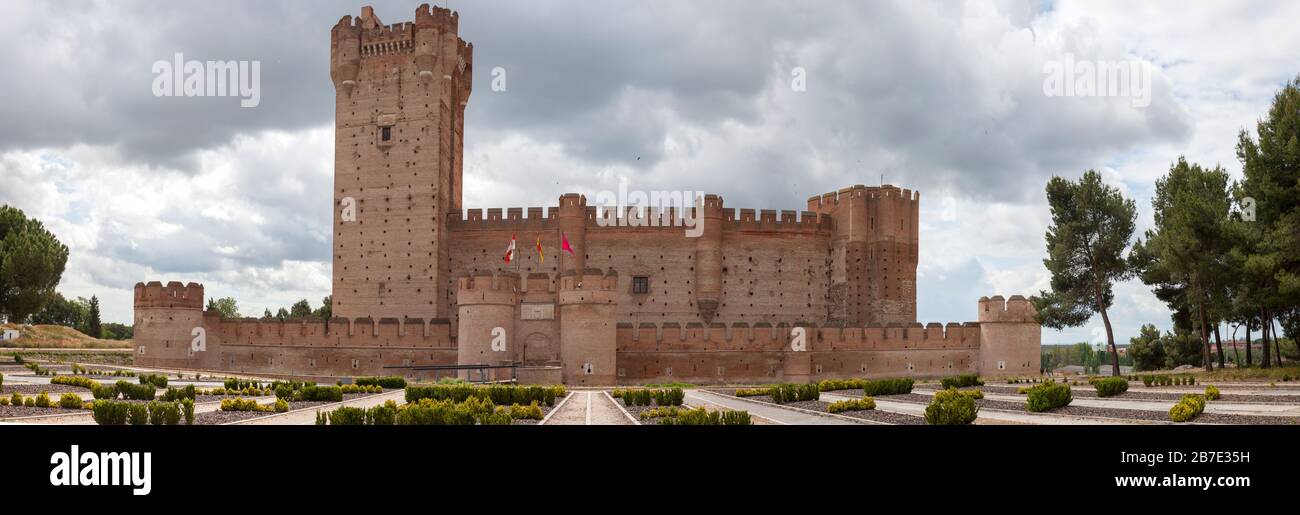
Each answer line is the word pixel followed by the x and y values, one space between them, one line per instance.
pixel 944 97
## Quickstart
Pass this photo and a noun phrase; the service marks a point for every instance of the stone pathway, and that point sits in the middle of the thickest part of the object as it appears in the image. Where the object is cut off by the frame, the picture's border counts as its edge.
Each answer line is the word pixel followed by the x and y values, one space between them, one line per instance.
pixel 768 411
pixel 989 416
pixel 588 408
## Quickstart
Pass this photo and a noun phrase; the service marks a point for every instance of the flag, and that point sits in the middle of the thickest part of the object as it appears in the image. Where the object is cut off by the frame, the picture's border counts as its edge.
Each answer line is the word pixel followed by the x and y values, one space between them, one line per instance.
pixel 541 255
pixel 510 251
pixel 564 244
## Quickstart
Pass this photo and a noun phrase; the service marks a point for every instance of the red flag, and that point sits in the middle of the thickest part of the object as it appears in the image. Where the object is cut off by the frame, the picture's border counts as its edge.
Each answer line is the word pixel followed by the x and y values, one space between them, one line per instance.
pixel 541 256
pixel 510 251
pixel 564 244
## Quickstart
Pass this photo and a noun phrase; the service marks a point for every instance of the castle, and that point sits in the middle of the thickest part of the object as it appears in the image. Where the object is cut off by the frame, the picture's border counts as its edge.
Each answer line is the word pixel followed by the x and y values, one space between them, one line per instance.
pixel 418 279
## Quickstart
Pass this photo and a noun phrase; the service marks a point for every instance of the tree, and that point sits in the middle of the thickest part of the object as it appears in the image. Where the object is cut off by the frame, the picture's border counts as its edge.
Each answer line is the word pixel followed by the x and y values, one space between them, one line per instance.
pixel 266 315
pixel 60 311
pixel 326 311
pixel 1270 196
pixel 1146 349
pixel 31 263
pixel 1092 224
pixel 1186 252
pixel 282 314
pixel 226 306
pixel 300 309
pixel 93 327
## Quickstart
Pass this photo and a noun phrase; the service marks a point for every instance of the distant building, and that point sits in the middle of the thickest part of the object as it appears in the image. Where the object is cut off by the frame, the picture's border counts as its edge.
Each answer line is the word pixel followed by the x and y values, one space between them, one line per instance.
pixel 8 335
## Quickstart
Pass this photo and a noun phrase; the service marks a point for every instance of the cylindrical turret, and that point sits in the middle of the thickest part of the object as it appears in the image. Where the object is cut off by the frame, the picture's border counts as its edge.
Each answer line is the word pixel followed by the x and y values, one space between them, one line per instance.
pixel 165 320
pixel 588 328
pixel 486 310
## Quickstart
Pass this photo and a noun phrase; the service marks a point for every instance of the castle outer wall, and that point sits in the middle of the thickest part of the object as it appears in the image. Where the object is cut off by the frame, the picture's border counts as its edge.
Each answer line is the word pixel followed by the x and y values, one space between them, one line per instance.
pixel 705 295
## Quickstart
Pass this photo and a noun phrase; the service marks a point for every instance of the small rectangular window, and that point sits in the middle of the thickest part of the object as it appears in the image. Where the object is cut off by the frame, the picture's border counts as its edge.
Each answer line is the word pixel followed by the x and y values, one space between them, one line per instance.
pixel 387 134
pixel 640 284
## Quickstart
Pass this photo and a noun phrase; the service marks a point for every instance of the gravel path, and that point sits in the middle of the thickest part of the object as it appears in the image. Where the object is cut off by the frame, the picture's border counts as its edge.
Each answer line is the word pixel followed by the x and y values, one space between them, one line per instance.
pixel 1139 394
pixel 1117 413
pixel 775 412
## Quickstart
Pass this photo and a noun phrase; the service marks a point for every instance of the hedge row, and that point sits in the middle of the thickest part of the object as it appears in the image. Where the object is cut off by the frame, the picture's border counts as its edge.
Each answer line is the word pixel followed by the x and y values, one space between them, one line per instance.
pixel 473 410
pixel 1048 396
pixel 1188 408
pixel 84 382
pixel 39 401
pixel 783 393
pixel 139 392
pixel 897 386
pixel 498 394
pixel 703 417
pixel 382 415
pixel 242 404
pixel 320 393
pixel 865 403
pixel 950 407
pixel 175 394
pixel 1109 386
pixel 392 382
pixel 645 397
pixel 753 392
pixel 961 381
pixel 106 412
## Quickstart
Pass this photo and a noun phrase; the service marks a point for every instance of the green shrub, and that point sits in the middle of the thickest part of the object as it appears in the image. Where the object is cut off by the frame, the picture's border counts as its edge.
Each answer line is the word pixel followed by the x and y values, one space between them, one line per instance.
pixel 84 382
pixel 498 394
pixel 1048 396
pixel 1147 381
pixel 16 399
pixel 1188 408
pixel 281 406
pixel 1110 386
pixel 382 415
pixel 137 414
pixel 865 403
pixel 1211 393
pixel 139 392
pixel 961 381
pixel 703 417
pixel 669 397
pixel 530 412
pixel 109 413
pixel 156 380
pixel 878 387
pixel 175 394
pixel 106 391
pixel 321 394
pixel 30 402
pixel 4 401
pixel 667 411
pixel 187 408
pixel 393 382
pixel 70 401
pixel 242 404
pixel 784 393
pixel 950 408
pixel 974 394
pixel 43 400
pixel 753 392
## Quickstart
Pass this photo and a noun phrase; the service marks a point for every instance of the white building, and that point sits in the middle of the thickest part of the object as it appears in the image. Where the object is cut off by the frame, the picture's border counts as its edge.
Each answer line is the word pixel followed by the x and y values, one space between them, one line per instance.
pixel 8 334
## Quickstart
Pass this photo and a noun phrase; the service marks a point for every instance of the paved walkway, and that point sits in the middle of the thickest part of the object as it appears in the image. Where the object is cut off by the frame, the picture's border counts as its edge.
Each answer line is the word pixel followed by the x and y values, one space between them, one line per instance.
pixel 768 411
pixel 588 408
pixel 1221 407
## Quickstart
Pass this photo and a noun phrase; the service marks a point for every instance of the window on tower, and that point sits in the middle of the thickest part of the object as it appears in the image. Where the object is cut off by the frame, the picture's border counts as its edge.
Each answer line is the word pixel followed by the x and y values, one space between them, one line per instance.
pixel 640 284
pixel 387 134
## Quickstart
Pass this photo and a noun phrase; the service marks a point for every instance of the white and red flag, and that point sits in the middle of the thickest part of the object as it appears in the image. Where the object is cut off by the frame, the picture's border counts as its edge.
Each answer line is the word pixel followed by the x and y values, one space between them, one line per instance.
pixel 510 251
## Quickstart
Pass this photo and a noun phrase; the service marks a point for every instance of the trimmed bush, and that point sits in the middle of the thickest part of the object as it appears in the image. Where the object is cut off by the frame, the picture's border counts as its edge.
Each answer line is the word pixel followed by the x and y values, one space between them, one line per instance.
pixel 974 394
pixel 865 403
pixel 139 392
pixel 703 417
pixel 950 408
pixel 392 382
pixel 753 392
pixel 383 415
pixel 70 401
pixel 784 393
pixel 242 404
pixel 17 399
pixel 4 401
pixel 1110 386
pixel 137 414
pixel 498 394
pixel 30 402
pixel 899 386
pixel 109 413
pixel 321 394
pixel 106 391
pixel 164 413
pixel 961 381
pixel 429 412
pixel 175 394
pixel 1187 408
pixel 84 382
pixel 1211 393
pixel 187 408
pixel 43 400
pixel 281 406
pixel 1047 396
pixel 156 380
pixel 529 412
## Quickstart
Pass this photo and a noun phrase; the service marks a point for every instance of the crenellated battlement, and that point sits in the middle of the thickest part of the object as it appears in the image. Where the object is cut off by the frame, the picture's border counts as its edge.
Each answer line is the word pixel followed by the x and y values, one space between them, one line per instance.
pixel 174 295
pixel 828 201
pixel 494 219
pixel 497 282
pixel 1015 309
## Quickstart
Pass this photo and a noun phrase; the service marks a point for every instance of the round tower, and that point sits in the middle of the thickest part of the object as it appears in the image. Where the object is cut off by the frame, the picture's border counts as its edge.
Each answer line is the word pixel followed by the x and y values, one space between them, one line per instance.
pixel 588 328
pixel 1010 337
pixel 165 321
pixel 487 305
